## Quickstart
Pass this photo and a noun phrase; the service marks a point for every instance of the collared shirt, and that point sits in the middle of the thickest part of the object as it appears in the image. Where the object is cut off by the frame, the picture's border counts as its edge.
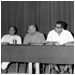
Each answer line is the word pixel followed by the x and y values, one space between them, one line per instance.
pixel 64 37
pixel 37 38
pixel 9 39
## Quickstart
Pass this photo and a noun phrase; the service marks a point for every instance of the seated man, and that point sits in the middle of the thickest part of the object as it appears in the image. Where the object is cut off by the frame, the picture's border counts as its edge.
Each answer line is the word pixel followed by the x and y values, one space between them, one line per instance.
pixel 60 36
pixel 34 37
pixel 10 38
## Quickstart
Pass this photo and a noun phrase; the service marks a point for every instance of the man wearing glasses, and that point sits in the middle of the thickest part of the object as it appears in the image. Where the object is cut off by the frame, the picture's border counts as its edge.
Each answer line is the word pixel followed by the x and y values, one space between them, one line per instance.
pixel 60 36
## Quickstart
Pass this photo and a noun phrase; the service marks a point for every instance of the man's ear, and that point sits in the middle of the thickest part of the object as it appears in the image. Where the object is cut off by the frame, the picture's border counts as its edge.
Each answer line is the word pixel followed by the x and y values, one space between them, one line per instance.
pixel 62 28
pixel 28 31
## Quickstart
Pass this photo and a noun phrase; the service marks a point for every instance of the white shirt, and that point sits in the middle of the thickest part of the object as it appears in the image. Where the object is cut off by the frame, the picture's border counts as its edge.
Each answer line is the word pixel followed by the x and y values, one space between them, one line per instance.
pixel 64 37
pixel 9 39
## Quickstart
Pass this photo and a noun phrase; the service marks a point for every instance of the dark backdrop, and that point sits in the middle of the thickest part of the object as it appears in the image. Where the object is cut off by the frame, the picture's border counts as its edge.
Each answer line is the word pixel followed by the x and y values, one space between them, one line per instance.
pixel 44 14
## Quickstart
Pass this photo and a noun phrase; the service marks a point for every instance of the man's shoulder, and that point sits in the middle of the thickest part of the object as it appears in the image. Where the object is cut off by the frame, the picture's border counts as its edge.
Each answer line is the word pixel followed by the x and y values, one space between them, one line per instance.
pixel 52 31
pixel 27 35
pixel 66 31
pixel 39 33
pixel 17 36
pixel 6 35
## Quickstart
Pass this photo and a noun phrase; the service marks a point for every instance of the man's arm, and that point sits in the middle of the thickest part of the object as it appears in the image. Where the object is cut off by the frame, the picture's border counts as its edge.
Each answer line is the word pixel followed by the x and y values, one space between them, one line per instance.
pixel 19 41
pixel 43 39
pixel 4 43
pixel 3 40
pixel 26 40
pixel 49 37
pixel 70 39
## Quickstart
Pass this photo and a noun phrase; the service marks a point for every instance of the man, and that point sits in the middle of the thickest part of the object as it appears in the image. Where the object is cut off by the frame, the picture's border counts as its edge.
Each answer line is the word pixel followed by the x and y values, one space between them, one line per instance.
pixel 60 36
pixel 10 38
pixel 34 37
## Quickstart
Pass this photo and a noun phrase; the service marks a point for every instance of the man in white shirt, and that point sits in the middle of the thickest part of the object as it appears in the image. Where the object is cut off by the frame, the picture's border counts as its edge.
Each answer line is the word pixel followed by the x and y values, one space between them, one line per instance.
pixel 59 36
pixel 10 38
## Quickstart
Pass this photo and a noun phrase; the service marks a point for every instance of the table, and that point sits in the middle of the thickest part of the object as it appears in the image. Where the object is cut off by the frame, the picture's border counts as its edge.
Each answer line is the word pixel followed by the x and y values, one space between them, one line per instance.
pixel 41 54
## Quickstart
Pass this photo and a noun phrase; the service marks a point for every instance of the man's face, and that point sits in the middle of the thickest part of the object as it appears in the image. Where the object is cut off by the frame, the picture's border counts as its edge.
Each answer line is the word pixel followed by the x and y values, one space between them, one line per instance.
pixel 58 28
pixel 11 31
pixel 31 29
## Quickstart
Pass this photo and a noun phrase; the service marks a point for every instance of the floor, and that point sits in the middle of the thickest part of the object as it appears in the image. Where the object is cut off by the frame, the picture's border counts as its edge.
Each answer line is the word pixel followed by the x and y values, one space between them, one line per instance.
pixel 22 68
pixel 12 68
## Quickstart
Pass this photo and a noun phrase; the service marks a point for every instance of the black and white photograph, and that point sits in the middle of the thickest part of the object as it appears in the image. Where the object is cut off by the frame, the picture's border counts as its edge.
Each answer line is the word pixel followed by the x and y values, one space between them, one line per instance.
pixel 37 37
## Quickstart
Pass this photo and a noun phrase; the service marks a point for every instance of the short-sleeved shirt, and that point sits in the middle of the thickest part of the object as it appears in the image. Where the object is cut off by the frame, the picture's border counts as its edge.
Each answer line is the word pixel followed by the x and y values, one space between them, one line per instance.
pixel 64 37
pixel 9 39
pixel 37 38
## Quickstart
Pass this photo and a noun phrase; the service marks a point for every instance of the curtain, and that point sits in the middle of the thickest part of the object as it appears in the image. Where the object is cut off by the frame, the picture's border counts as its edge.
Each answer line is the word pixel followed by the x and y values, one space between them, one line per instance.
pixel 44 14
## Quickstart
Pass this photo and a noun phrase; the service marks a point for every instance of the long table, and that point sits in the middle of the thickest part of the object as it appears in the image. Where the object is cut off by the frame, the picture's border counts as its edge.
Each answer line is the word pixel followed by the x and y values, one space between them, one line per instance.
pixel 41 54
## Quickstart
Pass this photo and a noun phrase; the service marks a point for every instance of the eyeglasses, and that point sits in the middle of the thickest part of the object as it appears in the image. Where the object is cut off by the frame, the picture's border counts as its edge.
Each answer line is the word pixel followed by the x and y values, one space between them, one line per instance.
pixel 58 27
pixel 11 30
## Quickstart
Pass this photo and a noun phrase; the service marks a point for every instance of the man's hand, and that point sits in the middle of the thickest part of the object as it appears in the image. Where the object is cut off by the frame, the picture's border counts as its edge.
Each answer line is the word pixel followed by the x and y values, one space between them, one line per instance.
pixel 49 43
pixel 4 43
pixel 36 43
pixel 56 43
pixel 52 43
pixel 69 43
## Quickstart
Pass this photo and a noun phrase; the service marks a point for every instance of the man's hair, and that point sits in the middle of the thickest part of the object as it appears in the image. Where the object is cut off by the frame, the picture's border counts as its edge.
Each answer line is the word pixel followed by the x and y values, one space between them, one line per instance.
pixel 15 28
pixel 63 24
pixel 35 26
